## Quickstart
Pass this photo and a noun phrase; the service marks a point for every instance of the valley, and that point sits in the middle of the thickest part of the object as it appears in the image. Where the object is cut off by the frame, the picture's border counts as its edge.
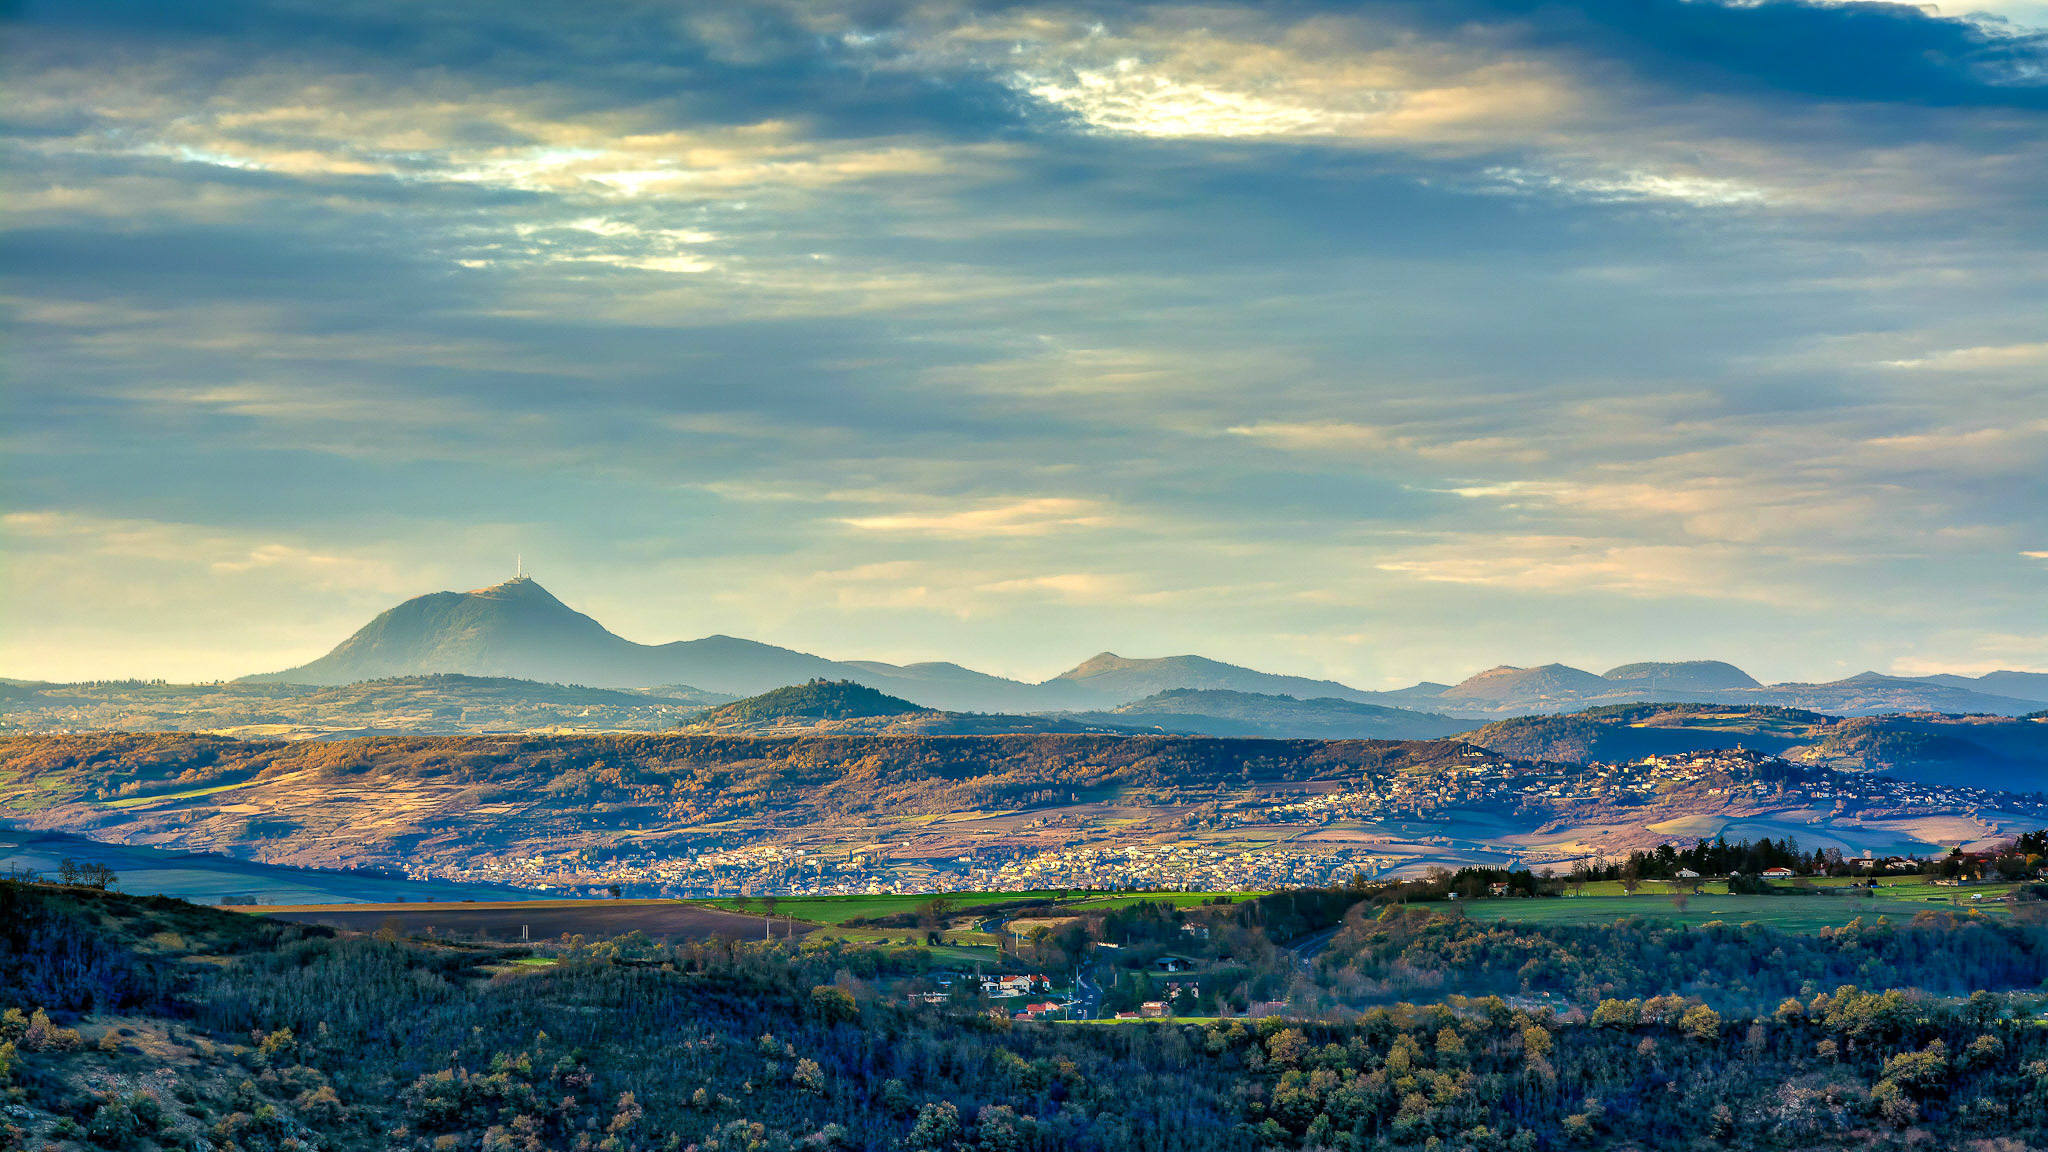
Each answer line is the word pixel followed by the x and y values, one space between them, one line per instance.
pixel 704 815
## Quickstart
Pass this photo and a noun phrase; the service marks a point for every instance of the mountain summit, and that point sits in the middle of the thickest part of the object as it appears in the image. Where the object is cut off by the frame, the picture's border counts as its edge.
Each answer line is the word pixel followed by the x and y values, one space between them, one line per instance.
pixel 1109 674
pixel 517 628
pixel 520 629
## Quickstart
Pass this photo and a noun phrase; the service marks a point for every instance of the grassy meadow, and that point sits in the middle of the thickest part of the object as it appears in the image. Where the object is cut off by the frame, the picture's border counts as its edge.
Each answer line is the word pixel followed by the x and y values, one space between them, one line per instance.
pixel 837 910
pixel 1831 907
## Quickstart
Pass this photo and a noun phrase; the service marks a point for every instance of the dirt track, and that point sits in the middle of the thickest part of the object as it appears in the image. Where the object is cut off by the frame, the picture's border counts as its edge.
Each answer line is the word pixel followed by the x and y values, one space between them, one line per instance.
pixel 543 919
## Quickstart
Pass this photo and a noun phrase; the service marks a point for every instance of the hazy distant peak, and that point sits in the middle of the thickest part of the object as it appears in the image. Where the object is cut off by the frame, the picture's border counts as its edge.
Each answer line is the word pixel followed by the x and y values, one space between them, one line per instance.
pixel 1105 662
pixel 1507 681
pixel 1699 675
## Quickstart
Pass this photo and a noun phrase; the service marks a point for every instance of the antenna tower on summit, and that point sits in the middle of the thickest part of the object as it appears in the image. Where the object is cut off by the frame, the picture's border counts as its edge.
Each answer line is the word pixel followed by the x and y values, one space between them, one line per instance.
pixel 518 566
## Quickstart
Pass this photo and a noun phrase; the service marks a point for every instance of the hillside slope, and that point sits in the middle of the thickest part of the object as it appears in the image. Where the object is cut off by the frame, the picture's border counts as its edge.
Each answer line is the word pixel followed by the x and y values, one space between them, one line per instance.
pixel 1108 675
pixel 437 703
pixel 398 801
pixel 1216 712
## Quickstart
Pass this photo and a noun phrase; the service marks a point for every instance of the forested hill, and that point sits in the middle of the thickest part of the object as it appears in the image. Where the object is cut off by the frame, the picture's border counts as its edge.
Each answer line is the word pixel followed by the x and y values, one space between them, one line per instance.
pixel 817 700
pixel 138 1024
pixel 847 708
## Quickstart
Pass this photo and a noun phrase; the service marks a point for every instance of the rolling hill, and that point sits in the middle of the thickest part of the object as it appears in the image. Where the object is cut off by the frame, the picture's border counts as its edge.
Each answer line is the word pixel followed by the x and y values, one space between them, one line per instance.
pixel 1982 751
pixel 843 707
pixel 1108 675
pixel 439 703
pixel 1217 712
pixel 2021 685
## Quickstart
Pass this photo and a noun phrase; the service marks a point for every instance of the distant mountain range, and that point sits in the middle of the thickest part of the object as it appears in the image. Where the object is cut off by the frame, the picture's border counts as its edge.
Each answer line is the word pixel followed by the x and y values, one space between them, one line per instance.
pixel 518 629
pixel 842 707
pixel 1554 688
pixel 1221 712
pixel 1985 751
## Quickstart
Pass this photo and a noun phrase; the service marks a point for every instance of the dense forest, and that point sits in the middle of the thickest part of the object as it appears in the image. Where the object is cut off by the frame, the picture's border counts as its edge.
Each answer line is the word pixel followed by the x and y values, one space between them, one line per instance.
pixel 138 1023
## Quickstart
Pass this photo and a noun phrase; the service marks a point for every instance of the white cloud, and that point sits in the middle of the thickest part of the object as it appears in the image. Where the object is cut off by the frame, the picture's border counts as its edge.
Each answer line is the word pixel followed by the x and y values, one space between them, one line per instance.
pixel 1983 358
pixel 1611 185
pixel 1033 517
pixel 1235 76
pixel 1581 565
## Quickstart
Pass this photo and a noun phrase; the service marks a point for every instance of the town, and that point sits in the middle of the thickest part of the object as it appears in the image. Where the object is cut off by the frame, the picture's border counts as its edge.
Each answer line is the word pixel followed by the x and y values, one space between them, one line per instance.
pixel 1256 839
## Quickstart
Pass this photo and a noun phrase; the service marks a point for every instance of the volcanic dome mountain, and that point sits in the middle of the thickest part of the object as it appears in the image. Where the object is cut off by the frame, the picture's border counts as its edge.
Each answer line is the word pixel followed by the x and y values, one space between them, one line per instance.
pixel 518 629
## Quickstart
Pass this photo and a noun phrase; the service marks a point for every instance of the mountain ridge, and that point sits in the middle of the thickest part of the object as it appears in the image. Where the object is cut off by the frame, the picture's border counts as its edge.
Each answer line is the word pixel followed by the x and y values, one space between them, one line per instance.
pixel 520 630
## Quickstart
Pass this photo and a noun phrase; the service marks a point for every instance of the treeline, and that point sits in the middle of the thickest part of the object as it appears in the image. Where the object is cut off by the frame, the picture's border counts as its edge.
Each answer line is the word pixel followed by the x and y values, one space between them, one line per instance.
pixel 313 1042
pixel 1404 953
pixel 1716 857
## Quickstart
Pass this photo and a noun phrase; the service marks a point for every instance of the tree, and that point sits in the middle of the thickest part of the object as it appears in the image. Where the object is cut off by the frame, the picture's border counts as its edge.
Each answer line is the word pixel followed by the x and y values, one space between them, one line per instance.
pixel 933 912
pixel 85 874
pixel 834 1003
pixel 1701 1023
pixel 937 1128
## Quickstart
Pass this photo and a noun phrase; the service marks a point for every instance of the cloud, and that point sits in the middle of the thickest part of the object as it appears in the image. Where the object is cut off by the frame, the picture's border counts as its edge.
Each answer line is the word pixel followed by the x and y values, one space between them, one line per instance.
pixel 1160 327
pixel 1070 587
pixel 1320 78
pixel 1578 566
pixel 1975 359
pixel 1346 436
pixel 1032 517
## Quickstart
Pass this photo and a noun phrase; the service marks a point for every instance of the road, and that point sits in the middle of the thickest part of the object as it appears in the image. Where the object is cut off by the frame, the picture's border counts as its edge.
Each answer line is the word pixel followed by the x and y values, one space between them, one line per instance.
pixel 1089 995
pixel 1306 948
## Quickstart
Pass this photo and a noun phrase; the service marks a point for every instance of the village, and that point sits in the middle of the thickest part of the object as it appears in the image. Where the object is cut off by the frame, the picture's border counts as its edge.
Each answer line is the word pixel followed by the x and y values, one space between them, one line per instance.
pixel 1254 840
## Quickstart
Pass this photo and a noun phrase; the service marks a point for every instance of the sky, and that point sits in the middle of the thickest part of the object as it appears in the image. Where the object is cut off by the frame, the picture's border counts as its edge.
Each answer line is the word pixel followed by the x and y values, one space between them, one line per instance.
pixel 1383 341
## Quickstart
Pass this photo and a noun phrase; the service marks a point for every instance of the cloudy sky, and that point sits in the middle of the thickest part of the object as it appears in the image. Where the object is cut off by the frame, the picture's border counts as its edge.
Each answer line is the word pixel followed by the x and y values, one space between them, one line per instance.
pixel 1383 341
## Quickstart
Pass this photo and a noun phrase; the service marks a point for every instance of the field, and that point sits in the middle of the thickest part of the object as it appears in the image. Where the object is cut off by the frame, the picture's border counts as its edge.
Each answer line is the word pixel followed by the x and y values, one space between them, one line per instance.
pixel 538 919
pixel 189 794
pixel 205 879
pixel 1790 913
pixel 840 909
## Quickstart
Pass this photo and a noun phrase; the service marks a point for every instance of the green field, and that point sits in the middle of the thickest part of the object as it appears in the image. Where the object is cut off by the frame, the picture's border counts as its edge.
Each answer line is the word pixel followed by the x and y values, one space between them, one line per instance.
pixel 139 801
pixel 1662 889
pixel 1790 913
pixel 840 909
pixel 962 948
